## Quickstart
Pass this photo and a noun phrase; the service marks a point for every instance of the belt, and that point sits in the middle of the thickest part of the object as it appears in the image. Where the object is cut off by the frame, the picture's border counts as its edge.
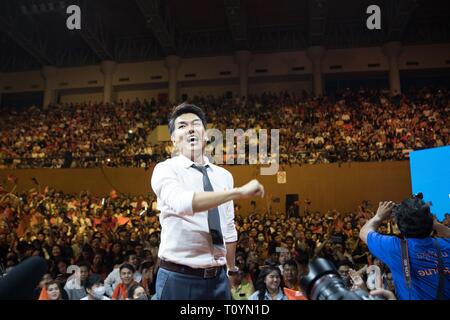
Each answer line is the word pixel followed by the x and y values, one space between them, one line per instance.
pixel 200 272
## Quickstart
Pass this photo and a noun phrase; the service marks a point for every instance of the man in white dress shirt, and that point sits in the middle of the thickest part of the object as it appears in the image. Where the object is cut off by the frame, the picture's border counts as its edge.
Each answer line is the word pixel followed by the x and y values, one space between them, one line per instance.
pixel 195 197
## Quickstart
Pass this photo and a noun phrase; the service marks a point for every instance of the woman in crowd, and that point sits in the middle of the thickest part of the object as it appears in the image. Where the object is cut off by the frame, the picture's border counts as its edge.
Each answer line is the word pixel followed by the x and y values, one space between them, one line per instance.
pixel 268 286
pixel 137 292
pixel 54 291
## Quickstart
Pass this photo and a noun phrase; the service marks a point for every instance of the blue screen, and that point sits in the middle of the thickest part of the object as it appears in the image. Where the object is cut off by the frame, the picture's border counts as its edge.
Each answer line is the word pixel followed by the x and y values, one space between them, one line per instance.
pixel 430 174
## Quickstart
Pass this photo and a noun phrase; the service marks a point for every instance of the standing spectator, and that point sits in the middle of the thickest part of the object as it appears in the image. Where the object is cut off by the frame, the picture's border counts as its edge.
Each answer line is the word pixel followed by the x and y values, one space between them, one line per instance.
pixel 427 258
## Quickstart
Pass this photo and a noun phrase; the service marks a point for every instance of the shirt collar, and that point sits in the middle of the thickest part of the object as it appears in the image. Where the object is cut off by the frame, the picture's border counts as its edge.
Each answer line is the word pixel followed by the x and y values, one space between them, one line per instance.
pixel 279 295
pixel 187 163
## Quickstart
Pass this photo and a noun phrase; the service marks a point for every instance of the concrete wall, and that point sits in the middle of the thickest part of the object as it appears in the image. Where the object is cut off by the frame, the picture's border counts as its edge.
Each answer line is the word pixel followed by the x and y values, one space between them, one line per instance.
pixel 209 69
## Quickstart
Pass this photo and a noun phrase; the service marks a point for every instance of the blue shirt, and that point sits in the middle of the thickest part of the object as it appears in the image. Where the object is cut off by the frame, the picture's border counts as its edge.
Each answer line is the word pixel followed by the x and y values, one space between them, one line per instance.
pixel 422 260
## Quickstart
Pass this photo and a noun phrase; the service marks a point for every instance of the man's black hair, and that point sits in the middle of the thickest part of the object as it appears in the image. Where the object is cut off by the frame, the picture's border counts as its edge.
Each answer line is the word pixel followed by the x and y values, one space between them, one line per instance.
pixel 291 262
pixel 182 109
pixel 413 218
pixel 127 266
pixel 344 262
pixel 129 253
pixel 84 264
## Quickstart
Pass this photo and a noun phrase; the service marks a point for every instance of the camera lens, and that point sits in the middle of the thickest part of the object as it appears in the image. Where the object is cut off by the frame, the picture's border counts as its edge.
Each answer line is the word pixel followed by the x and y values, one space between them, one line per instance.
pixel 323 282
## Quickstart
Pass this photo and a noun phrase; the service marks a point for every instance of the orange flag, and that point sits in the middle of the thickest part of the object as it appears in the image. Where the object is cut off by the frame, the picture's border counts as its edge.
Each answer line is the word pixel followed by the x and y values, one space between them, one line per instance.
pixel 294 294
pixel 122 220
pixel 43 295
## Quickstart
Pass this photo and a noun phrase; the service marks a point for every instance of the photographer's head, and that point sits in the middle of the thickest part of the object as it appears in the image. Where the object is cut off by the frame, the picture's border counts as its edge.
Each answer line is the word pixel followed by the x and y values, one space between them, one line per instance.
pixel 413 218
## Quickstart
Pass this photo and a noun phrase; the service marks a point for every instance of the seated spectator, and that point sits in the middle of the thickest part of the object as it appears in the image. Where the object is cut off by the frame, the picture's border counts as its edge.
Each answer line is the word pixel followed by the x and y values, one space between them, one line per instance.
pixel 94 288
pixel 126 272
pixel 75 286
pixel 52 291
pixel 113 279
pixel 137 292
pixel 268 286
pixel 148 281
pixel 291 286
pixel 42 284
pixel 241 288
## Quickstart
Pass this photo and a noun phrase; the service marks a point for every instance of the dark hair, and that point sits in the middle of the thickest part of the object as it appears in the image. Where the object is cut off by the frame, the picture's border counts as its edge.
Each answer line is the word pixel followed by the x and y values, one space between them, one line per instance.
pixel 344 262
pixel 92 280
pixel 290 262
pixel 132 289
pixel 182 109
pixel 84 264
pixel 129 253
pixel 413 218
pixel 127 266
pixel 260 285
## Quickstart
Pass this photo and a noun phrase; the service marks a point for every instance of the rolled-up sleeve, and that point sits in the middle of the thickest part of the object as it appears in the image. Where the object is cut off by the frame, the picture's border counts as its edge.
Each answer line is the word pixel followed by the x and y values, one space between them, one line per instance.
pixel 170 191
pixel 231 232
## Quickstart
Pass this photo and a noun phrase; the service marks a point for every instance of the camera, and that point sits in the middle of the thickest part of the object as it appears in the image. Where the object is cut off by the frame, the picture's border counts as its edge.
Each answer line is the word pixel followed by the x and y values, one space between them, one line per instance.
pixel 323 282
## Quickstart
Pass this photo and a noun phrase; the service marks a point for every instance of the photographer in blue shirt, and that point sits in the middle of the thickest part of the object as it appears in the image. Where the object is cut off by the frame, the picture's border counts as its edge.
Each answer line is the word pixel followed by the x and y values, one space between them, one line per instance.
pixel 420 263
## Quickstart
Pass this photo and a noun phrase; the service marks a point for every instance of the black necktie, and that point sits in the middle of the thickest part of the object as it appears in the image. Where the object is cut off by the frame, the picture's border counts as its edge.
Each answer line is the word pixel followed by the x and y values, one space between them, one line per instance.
pixel 213 213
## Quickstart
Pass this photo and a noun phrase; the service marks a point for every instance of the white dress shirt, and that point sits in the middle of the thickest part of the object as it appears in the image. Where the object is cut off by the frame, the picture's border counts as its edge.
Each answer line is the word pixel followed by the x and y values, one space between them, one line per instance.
pixel 185 237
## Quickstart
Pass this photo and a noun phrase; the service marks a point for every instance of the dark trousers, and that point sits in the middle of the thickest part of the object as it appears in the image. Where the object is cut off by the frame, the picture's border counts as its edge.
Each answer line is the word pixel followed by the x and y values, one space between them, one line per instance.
pixel 179 286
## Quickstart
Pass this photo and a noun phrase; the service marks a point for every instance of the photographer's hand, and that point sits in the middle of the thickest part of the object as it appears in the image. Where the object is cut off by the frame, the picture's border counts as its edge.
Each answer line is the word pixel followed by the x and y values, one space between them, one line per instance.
pixel 384 210
pixel 442 231
pixel 357 280
pixel 388 295
pixel 383 213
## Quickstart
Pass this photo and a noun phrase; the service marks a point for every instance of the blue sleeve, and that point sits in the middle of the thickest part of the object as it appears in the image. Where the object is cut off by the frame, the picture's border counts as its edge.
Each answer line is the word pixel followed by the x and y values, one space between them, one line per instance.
pixel 382 246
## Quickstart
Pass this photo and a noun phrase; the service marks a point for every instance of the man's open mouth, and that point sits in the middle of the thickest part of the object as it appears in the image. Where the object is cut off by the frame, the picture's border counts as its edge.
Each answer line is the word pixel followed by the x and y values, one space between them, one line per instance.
pixel 193 139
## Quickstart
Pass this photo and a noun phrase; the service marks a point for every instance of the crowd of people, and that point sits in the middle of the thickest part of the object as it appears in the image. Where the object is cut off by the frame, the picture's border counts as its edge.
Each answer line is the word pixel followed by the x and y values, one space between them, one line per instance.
pixel 364 125
pixel 107 248
pixel 101 248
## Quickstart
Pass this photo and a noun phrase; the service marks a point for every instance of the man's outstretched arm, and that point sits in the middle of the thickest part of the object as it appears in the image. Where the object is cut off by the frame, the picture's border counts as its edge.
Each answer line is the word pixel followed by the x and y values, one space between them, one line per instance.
pixel 203 201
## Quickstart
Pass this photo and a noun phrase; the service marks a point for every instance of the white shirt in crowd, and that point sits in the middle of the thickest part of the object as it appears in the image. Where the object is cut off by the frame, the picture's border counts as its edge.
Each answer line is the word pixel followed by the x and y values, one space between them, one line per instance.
pixel 185 237
pixel 103 298
pixel 113 279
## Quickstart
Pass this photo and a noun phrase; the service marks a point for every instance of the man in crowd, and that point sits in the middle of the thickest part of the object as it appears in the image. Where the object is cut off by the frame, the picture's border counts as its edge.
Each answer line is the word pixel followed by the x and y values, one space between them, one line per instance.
pixel 419 262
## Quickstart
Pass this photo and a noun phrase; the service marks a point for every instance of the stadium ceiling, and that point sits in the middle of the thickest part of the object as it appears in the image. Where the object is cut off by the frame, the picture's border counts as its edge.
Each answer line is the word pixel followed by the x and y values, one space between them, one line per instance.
pixel 33 33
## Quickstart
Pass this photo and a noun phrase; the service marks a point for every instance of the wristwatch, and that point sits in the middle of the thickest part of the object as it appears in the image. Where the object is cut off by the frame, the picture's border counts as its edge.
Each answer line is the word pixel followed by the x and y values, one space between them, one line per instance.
pixel 233 271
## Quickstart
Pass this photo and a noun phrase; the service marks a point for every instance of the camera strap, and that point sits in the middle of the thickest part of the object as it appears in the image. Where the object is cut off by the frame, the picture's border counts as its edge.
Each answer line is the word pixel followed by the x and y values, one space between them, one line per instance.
pixel 405 263
pixel 440 266
pixel 407 269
